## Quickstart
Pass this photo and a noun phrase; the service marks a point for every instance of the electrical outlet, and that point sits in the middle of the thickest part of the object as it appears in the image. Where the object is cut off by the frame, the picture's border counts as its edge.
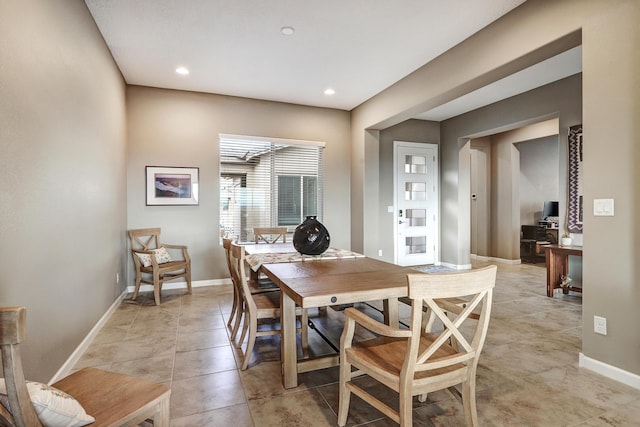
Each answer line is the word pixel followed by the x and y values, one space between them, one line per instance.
pixel 379 252
pixel 600 325
pixel 117 277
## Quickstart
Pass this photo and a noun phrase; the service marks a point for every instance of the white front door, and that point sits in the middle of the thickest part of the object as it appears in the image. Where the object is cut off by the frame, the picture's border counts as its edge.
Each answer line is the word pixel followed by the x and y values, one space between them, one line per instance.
pixel 416 203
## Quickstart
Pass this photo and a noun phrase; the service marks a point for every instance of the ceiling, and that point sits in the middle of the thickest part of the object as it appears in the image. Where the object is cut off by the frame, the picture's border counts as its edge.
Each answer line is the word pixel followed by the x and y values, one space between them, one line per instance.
pixel 356 47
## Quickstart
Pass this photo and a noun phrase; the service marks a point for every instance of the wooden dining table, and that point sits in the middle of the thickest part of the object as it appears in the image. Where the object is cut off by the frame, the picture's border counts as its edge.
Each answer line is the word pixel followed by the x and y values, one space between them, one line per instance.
pixel 327 282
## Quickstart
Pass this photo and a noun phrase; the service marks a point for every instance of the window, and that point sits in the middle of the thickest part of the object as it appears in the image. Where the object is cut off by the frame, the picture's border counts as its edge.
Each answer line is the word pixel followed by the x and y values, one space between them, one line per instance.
pixel 267 183
pixel 297 198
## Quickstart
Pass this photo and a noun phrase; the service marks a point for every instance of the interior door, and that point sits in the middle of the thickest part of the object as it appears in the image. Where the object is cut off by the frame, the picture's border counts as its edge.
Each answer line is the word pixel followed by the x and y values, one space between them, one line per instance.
pixel 416 203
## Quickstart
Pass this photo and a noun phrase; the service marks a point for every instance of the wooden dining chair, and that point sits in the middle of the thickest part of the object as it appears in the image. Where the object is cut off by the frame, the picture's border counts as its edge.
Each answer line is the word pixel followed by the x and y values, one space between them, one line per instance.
pixel 270 234
pixel 412 362
pixel 258 306
pixel 154 264
pixel 256 287
pixel 90 395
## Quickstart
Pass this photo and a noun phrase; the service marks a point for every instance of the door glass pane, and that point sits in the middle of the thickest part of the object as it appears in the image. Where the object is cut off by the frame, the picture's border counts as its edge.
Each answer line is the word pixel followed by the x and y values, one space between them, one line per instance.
pixel 415 164
pixel 415 191
pixel 416 217
pixel 416 245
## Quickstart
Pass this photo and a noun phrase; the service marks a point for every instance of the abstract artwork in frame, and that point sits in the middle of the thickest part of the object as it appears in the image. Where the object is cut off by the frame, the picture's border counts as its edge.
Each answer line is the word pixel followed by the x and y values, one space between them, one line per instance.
pixel 171 186
pixel 575 199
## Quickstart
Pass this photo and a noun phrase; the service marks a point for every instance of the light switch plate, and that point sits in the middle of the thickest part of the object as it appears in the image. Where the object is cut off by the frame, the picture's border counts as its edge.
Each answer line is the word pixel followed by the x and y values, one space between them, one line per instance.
pixel 600 325
pixel 603 207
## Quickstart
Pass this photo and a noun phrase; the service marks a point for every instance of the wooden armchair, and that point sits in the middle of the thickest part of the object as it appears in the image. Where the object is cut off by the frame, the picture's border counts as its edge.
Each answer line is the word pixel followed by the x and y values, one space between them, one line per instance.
pixel 151 258
pixel 413 362
pixel 270 234
pixel 111 399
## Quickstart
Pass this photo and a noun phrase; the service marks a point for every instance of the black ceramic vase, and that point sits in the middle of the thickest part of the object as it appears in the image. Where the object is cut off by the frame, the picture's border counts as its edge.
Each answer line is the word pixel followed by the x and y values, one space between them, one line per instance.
pixel 311 237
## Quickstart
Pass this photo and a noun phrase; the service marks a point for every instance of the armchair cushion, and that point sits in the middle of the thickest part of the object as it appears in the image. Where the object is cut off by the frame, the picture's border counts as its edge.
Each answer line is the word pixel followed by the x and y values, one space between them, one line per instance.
pixel 161 254
pixel 53 407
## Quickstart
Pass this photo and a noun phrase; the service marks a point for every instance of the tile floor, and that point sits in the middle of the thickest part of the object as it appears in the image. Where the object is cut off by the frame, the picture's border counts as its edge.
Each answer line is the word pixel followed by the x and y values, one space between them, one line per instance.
pixel 528 373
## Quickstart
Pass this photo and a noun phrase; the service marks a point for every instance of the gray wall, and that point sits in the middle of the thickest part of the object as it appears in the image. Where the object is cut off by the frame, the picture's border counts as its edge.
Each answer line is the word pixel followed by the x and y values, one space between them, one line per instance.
pixel 539 181
pixel 538 29
pixel 62 168
pixel 409 131
pixel 176 128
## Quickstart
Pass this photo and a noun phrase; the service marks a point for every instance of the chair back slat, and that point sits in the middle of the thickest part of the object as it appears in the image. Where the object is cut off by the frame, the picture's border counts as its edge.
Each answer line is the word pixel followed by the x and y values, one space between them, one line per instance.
pixel 145 238
pixel 270 234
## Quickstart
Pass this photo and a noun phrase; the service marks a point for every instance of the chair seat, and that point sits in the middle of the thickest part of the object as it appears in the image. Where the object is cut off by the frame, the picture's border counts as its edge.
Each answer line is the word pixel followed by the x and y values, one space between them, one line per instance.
pixel 270 301
pixel 167 266
pixel 267 301
pixel 108 396
pixel 388 354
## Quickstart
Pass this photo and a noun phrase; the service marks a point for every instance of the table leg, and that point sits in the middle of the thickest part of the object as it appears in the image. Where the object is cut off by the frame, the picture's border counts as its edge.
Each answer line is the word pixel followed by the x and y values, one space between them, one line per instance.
pixel 289 353
pixel 390 308
pixel 557 265
pixel 550 272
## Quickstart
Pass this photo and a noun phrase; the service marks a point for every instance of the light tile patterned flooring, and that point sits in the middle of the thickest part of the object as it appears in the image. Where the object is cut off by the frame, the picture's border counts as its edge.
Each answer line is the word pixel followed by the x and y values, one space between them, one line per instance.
pixel 528 373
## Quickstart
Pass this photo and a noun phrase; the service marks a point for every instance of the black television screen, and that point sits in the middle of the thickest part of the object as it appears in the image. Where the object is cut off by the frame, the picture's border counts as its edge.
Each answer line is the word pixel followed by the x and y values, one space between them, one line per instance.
pixel 550 209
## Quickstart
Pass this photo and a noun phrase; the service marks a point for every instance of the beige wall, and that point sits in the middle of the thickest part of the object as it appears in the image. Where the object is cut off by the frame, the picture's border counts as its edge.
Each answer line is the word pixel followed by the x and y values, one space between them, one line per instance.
pixel 175 128
pixel 62 127
pixel 62 168
pixel 538 29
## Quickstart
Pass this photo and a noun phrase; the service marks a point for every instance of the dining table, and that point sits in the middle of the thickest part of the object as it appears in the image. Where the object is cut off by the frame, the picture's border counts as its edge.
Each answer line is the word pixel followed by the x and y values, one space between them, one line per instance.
pixel 340 277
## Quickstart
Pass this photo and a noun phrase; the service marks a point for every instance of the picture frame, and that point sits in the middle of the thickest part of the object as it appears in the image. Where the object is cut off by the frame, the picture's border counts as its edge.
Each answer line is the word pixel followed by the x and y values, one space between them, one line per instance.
pixel 172 186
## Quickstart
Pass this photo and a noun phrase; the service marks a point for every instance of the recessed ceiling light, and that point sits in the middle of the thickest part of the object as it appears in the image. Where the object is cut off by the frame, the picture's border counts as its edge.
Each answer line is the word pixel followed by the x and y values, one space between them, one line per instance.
pixel 182 71
pixel 287 31
pixel 329 91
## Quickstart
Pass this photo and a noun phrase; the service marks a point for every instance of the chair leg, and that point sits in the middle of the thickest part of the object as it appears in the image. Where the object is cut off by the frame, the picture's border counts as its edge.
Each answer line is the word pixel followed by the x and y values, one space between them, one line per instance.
pixel 469 401
pixel 245 327
pixel 157 286
pixel 233 308
pixel 161 416
pixel 304 332
pixel 239 314
pixel 253 330
pixel 428 319
pixel 345 394
pixel 188 278
pixel 406 408
pixel 137 288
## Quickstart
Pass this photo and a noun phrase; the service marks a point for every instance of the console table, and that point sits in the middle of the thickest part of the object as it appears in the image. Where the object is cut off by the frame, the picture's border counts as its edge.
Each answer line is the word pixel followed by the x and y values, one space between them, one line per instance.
pixel 558 265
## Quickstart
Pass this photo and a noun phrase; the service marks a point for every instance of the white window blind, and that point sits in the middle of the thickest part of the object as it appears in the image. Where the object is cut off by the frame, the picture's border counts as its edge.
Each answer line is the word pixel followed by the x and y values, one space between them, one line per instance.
pixel 268 183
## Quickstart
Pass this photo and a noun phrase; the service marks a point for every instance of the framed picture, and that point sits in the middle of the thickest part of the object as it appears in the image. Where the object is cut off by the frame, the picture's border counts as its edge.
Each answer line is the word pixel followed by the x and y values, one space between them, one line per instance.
pixel 172 186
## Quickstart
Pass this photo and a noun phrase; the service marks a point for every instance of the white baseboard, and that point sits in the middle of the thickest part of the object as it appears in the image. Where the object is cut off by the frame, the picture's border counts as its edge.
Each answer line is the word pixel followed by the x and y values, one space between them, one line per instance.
pixel 609 371
pixel 182 285
pixel 456 266
pixel 82 347
pixel 494 259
